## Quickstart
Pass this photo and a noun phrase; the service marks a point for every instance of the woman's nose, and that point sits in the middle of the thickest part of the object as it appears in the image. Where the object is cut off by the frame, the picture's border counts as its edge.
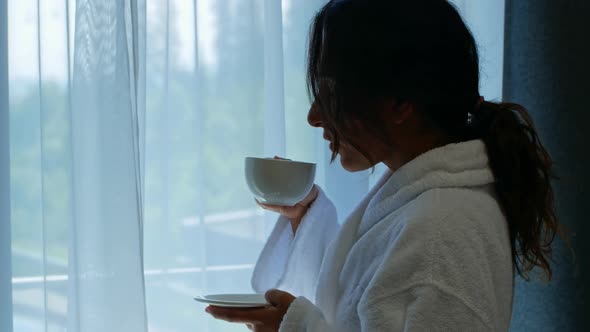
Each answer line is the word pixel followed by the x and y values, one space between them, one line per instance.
pixel 313 116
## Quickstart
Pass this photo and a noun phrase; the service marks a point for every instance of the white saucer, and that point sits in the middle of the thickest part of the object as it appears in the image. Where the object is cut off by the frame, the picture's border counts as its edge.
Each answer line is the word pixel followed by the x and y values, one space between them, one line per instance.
pixel 233 300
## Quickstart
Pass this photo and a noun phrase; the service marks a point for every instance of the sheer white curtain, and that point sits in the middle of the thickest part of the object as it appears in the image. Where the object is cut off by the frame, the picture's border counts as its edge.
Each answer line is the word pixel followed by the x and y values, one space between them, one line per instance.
pixel 128 124
pixel 75 169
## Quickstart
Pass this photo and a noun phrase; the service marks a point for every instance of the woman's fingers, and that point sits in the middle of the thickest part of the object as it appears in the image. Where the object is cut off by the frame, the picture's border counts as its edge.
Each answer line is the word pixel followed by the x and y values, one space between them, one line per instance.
pixel 257 319
pixel 274 208
pixel 279 298
pixel 313 194
pixel 233 315
pixel 291 212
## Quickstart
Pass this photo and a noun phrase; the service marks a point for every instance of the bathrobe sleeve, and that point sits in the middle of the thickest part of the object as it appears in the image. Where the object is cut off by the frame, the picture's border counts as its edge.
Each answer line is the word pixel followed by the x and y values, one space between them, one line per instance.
pixel 420 308
pixel 292 262
pixel 425 307
pixel 432 278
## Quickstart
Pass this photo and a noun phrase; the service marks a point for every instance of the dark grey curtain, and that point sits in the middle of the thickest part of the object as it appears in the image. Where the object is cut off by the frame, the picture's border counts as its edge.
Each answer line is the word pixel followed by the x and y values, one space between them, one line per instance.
pixel 547 69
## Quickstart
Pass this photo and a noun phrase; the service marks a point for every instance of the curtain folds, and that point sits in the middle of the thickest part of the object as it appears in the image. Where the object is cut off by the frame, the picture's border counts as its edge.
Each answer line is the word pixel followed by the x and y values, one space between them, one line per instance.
pixel 5 226
pixel 106 261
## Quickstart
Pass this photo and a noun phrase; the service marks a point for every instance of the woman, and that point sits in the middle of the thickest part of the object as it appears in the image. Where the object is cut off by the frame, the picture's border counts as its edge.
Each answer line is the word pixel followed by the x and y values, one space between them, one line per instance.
pixel 466 204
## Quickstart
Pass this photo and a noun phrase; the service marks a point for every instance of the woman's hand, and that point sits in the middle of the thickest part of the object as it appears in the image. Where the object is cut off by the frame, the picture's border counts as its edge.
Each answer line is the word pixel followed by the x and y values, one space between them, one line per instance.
pixel 257 319
pixel 293 213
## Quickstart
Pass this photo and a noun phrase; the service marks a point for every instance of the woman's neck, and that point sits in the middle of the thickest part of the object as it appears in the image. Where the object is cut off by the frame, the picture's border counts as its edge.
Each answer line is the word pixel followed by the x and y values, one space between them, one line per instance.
pixel 413 147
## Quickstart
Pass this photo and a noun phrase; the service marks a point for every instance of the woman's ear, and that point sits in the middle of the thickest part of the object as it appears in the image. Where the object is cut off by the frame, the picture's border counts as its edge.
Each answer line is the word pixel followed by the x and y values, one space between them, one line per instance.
pixel 401 112
pixel 393 112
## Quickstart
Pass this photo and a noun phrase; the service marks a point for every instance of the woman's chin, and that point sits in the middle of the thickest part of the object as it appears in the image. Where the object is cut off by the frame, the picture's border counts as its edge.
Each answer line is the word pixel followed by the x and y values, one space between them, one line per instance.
pixel 351 160
pixel 353 165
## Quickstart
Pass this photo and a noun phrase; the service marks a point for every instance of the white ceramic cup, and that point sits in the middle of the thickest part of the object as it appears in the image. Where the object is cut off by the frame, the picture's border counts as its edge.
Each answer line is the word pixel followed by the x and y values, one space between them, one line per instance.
pixel 279 181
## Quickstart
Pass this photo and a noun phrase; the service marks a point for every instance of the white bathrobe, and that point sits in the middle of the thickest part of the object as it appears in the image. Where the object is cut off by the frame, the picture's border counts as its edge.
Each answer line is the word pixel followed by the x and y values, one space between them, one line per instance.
pixel 427 250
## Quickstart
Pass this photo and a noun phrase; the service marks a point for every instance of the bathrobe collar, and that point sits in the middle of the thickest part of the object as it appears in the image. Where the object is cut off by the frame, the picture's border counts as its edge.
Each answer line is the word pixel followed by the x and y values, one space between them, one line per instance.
pixel 463 164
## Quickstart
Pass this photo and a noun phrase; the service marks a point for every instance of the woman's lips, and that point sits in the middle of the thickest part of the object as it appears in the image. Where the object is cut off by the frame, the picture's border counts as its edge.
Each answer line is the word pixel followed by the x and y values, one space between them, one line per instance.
pixel 329 139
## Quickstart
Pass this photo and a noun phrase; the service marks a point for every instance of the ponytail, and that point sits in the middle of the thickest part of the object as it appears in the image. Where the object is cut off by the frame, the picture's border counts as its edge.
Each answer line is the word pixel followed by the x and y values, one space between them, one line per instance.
pixel 523 171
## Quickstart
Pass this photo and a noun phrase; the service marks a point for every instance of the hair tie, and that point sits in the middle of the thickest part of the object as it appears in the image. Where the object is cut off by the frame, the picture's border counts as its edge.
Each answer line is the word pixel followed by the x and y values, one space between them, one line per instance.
pixel 471 115
pixel 480 101
pixel 481 119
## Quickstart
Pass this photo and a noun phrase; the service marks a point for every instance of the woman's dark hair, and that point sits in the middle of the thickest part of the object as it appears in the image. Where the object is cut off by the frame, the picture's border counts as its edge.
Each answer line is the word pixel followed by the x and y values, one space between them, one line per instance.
pixel 420 52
